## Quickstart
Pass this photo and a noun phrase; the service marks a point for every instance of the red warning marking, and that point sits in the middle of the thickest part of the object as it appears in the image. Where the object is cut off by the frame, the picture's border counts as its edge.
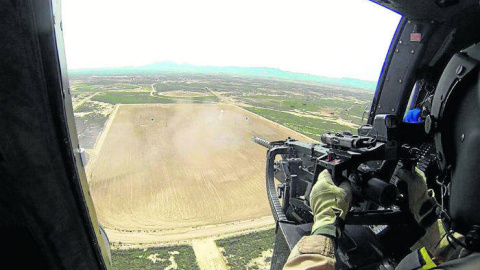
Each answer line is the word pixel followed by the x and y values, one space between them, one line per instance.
pixel 415 37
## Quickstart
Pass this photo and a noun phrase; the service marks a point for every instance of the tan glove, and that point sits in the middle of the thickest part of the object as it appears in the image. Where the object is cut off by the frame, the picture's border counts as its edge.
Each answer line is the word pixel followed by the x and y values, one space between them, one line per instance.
pixel 328 203
pixel 421 200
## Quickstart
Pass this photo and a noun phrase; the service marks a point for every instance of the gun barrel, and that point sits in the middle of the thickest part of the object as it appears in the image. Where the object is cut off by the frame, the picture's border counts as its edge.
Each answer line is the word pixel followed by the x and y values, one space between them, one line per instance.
pixel 262 142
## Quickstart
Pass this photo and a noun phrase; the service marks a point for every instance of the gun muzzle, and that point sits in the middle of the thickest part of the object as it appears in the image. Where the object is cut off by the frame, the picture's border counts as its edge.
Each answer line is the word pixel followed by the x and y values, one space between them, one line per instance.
pixel 262 142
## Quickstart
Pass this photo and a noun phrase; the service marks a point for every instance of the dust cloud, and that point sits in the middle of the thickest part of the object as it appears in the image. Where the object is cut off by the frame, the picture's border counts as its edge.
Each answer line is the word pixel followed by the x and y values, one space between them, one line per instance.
pixel 165 167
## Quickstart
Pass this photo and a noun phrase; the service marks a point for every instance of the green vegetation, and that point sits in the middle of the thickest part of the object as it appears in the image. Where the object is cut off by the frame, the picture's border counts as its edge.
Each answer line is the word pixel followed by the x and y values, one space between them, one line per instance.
pixel 312 127
pixel 129 98
pixel 86 87
pixel 154 258
pixel 347 108
pixel 185 86
pixel 80 95
pixel 308 105
pixel 311 106
pixel 139 98
pixel 241 250
pixel 90 106
pixel 90 118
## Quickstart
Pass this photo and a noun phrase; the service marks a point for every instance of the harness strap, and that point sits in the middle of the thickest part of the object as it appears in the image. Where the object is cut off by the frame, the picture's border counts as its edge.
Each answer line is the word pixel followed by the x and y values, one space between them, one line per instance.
pixel 419 259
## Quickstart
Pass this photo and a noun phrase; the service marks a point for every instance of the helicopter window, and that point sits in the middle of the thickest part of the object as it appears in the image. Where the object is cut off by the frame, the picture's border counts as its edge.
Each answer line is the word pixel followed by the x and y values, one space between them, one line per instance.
pixel 167 95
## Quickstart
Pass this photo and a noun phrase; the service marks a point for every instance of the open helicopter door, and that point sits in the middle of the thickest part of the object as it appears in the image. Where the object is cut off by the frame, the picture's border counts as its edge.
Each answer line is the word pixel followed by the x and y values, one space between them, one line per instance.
pixel 47 218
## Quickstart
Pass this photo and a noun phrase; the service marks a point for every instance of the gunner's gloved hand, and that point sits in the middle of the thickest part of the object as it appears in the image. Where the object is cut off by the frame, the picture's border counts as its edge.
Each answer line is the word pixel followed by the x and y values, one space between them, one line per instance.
pixel 421 200
pixel 330 205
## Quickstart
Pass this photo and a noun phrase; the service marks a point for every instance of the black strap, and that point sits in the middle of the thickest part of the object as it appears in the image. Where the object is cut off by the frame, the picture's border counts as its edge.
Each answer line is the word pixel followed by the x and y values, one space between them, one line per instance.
pixel 339 223
pixel 430 211
pixel 331 229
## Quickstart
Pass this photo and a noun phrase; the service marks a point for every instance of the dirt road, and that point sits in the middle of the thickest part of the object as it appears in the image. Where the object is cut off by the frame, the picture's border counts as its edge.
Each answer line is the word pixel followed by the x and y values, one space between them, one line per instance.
pixel 152 93
pixel 207 254
pixel 220 97
pixel 93 154
pixel 81 102
pixel 142 238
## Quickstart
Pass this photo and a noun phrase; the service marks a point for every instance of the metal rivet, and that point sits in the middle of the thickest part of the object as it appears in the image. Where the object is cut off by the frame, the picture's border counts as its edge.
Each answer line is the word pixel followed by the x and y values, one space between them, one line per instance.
pixel 412 51
pixel 379 106
pixel 397 50
pixel 408 21
pixel 463 137
pixel 460 70
pixel 428 124
pixel 400 80
pixel 400 42
pixel 388 79
pixel 393 109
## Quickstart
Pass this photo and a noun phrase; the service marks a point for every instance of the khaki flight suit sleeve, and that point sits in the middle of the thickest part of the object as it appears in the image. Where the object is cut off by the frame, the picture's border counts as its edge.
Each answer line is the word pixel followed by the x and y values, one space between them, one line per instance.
pixel 314 252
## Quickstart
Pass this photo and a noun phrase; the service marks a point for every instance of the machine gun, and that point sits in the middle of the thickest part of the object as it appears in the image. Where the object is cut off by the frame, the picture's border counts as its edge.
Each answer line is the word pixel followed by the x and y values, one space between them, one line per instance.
pixel 346 157
pixel 366 161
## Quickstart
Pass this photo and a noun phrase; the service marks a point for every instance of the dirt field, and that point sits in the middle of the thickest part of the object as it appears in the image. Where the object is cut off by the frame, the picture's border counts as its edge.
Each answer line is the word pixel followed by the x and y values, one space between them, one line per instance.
pixel 182 94
pixel 142 239
pixel 165 167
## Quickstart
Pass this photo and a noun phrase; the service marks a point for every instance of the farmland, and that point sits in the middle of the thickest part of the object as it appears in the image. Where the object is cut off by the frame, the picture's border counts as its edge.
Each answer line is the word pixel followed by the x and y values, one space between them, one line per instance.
pixel 177 257
pixel 172 171
pixel 171 166
pixel 318 106
pixel 253 250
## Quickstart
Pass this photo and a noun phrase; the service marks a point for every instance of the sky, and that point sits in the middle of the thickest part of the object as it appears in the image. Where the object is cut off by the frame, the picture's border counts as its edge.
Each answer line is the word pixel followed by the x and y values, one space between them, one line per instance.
pixel 333 38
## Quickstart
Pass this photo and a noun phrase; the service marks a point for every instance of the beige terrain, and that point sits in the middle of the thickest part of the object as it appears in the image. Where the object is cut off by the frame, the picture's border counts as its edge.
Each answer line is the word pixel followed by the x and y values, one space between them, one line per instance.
pixel 142 239
pixel 208 255
pixel 178 167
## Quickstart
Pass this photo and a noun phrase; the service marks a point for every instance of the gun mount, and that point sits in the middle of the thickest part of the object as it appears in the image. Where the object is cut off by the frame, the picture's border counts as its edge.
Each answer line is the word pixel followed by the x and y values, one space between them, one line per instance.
pixel 379 210
pixel 345 157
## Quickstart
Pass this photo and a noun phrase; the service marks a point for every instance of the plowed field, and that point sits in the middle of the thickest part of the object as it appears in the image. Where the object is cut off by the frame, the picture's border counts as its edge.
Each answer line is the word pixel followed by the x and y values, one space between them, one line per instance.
pixel 164 167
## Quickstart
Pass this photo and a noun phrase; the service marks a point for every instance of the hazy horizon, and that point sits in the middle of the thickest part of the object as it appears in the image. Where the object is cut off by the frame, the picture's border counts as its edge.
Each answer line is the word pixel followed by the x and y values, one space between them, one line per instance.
pixel 341 38
pixel 266 72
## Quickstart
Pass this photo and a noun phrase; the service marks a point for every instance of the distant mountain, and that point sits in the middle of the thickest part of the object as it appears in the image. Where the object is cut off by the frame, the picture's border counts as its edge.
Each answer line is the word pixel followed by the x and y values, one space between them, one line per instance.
pixel 169 67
